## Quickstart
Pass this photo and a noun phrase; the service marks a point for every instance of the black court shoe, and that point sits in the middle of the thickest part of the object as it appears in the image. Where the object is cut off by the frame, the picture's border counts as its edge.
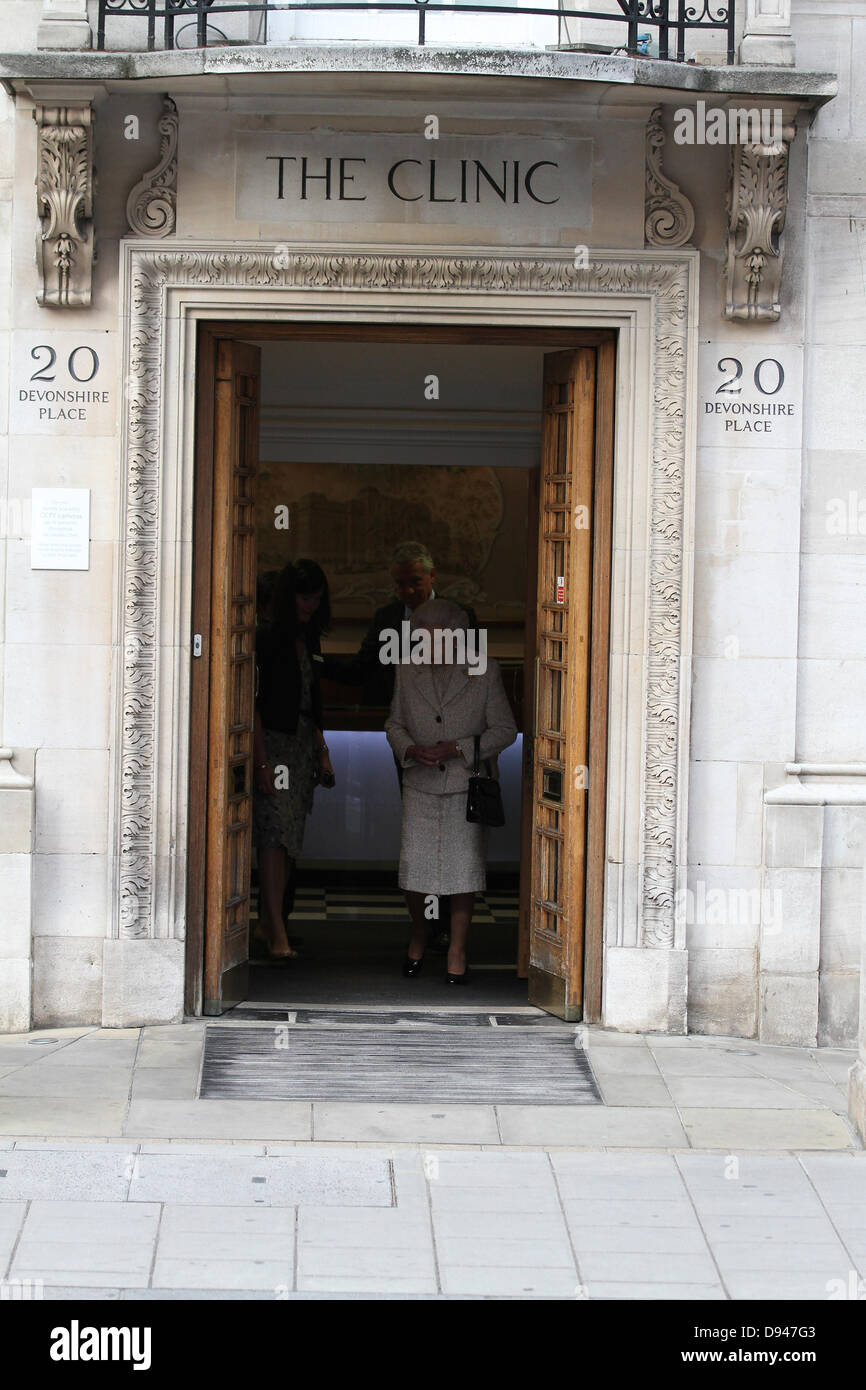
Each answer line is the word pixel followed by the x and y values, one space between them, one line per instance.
pixel 457 979
pixel 411 967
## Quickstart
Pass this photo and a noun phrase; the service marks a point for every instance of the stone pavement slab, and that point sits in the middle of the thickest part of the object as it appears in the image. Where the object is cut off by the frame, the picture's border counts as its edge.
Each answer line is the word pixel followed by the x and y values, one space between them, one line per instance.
pixel 487 1225
pixel 690 1061
pixel 49 1078
pixel 466 1170
pixel 619 1177
pixel 100 1047
pixel 422 1222
pixel 591 1127
pixel 742 1093
pixel 659 1241
pixel 165 1083
pixel 348 1228
pixel 440 1124
pixel 796 1285
pixel 617 1061
pixel 494 1282
pixel 87 1243
pixel 163 1053
pixel 634 1090
pixel 733 1129
pixel 730 1227
pixel 755 1255
pixel 504 1251
pixel 609 1212
pixel 215 1146
pixel 369 1266
pixel 646 1267
pixel 269 1277
pixel 344 1179
pixel 219 1119
pixel 71 1117
pixel 849 1217
pixel 662 1293
pixel 99 1173
pixel 836 1064
pixel 55 1145
pixel 11 1220
pixel 231 1247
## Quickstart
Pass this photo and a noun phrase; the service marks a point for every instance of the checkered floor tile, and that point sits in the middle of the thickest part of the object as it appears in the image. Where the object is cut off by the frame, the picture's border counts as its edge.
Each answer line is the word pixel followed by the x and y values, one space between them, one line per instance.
pixel 384 904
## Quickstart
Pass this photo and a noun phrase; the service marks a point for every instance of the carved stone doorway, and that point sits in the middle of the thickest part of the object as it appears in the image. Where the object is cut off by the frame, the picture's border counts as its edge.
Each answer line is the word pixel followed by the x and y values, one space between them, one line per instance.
pixel 650 299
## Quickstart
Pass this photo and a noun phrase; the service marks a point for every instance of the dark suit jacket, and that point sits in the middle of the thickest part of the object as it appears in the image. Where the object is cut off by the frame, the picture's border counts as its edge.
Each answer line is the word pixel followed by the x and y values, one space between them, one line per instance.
pixel 278 700
pixel 365 668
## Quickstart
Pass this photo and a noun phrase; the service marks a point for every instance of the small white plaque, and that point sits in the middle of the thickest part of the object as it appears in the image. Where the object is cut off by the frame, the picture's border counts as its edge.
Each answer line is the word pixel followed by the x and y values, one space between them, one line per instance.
pixel 60 528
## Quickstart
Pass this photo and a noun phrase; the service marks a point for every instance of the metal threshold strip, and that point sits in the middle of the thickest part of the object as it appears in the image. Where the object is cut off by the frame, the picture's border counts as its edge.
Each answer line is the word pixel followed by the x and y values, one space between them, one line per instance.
pixel 395 1018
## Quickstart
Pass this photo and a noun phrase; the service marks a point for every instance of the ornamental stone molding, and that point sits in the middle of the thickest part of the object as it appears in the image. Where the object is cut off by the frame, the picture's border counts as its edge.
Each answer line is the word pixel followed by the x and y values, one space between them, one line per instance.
pixel 767 37
pixel 151 208
pixel 757 205
pixel 156 279
pixel 64 24
pixel 64 194
pixel 670 217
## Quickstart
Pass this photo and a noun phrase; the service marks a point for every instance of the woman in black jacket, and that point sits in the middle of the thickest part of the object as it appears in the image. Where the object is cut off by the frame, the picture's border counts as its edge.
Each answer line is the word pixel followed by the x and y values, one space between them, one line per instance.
pixel 289 748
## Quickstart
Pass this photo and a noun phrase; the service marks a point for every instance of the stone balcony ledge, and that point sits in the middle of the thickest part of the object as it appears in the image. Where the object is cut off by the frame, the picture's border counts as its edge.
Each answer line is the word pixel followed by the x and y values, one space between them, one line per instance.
pixel 233 64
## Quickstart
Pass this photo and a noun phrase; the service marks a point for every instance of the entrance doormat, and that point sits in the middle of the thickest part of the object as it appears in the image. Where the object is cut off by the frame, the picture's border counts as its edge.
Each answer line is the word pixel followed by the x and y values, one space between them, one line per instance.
pixel 466 1066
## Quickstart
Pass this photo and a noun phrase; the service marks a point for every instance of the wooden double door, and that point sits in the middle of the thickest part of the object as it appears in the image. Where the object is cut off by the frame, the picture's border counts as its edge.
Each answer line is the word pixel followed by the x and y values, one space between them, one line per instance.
pixel 565 679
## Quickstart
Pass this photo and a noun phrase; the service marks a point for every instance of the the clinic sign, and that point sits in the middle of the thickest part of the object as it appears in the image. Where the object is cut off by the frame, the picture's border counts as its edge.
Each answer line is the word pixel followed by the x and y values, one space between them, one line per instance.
pixel 487 181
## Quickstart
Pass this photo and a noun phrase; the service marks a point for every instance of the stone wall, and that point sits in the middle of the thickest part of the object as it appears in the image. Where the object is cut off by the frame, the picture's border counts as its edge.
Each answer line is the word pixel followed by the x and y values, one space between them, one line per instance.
pixel 778 619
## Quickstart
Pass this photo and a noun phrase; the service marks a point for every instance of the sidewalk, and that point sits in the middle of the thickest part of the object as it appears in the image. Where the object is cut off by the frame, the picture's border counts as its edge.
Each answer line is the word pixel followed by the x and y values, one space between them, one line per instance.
pixel 716 1169
pixel 660 1092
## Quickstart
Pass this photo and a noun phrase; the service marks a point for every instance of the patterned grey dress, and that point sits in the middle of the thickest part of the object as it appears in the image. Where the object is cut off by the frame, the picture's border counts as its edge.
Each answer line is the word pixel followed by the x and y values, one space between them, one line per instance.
pixel 280 819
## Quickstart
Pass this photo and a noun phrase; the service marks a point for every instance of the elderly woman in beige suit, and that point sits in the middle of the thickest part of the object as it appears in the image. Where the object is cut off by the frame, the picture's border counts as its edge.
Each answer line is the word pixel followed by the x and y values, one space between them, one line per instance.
pixel 437 710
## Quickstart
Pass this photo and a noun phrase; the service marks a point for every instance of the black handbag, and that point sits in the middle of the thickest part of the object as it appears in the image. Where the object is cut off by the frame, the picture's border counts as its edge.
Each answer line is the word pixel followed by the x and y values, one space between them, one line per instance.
pixel 484 799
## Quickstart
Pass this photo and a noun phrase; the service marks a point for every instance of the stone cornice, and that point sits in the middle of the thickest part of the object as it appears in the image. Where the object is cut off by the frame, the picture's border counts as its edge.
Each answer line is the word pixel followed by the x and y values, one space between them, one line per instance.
pixel 390 64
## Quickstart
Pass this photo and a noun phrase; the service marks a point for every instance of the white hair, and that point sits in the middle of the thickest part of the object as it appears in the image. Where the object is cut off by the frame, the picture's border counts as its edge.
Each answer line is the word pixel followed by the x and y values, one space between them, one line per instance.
pixel 413 553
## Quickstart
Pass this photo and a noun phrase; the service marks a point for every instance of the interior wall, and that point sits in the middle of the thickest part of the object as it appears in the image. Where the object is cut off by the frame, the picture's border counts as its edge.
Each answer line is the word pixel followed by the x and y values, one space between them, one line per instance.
pixel 359 820
pixel 365 445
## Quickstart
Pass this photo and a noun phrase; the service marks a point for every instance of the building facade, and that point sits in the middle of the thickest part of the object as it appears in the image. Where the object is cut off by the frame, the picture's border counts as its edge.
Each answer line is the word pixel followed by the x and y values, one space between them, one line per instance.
pixel 688 234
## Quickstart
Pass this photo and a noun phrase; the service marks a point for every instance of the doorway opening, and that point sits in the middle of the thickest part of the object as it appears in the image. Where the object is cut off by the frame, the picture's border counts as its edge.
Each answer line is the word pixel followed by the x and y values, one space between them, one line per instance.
pixel 493 448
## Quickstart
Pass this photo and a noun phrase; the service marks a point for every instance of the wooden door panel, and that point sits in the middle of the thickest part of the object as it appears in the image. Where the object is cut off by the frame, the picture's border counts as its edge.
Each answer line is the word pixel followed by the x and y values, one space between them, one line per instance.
pixel 232 676
pixel 560 752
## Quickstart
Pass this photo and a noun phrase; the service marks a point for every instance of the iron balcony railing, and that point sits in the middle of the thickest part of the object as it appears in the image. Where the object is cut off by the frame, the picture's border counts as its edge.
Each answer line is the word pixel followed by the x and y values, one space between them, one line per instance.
pixel 669 22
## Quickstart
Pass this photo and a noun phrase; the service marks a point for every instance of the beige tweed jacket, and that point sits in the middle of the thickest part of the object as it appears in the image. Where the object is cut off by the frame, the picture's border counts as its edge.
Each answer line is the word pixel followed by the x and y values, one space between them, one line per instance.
pixel 468 705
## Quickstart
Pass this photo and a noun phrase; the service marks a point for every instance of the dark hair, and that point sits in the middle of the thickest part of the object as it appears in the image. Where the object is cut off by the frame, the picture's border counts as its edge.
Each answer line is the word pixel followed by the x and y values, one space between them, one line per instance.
pixel 302 577
pixel 265 587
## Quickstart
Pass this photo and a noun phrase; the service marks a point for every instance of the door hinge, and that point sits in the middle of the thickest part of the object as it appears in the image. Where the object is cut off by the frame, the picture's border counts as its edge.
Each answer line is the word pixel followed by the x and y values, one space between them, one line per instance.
pixel 196 644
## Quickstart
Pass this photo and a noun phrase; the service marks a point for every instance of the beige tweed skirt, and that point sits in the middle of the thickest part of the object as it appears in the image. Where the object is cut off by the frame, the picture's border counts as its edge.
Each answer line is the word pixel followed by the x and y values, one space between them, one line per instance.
pixel 441 851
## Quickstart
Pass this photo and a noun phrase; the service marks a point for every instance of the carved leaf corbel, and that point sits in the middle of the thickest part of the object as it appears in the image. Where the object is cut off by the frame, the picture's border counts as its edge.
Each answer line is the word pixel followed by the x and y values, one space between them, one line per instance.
pixel 151 208
pixel 757 204
pixel 64 193
pixel 670 217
